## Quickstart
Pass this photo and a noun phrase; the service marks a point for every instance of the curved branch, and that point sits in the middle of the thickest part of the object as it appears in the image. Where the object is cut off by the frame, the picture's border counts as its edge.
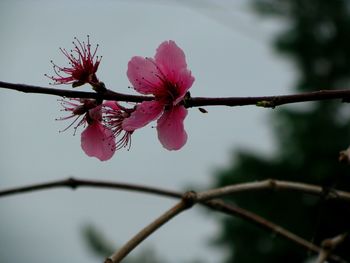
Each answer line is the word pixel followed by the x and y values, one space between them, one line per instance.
pixel 273 185
pixel 201 198
pixel 259 221
pixel 328 245
pixel 75 183
pixel 186 202
pixel 262 101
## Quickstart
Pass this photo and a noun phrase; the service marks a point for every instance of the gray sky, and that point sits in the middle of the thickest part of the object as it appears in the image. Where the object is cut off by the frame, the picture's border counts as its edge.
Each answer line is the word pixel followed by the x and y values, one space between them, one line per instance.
pixel 228 52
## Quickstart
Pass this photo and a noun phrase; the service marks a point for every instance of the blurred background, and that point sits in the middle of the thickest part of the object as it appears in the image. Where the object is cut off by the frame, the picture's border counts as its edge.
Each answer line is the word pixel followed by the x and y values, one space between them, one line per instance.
pixel 233 48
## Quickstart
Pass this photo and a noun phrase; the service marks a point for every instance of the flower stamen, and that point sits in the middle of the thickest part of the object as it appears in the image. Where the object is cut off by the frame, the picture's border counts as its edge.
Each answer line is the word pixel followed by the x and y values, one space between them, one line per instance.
pixel 83 65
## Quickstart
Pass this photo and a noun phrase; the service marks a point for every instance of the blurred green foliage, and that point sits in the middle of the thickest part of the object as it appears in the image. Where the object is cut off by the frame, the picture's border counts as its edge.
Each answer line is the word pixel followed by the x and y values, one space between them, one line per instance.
pixel 316 38
pixel 101 247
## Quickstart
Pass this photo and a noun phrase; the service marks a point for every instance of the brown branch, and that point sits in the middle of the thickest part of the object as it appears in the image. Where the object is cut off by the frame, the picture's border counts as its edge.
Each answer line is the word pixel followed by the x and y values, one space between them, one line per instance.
pixel 273 185
pixel 263 101
pixel 201 198
pixel 259 221
pixel 231 209
pixel 186 202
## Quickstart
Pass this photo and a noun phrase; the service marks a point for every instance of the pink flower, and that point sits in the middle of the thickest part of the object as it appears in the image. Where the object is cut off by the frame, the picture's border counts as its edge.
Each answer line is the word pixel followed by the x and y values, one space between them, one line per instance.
pixel 97 140
pixel 168 79
pixel 83 66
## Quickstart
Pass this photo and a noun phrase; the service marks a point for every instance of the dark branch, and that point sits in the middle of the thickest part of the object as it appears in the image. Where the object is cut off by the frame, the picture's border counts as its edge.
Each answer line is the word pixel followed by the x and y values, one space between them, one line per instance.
pixel 74 183
pixel 108 95
pixel 271 101
pixel 264 101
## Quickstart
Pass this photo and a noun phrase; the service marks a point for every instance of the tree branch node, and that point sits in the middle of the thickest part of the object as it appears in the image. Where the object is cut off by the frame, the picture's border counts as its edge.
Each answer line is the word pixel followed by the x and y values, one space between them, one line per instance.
pixel 190 198
pixel 72 183
pixel 272 184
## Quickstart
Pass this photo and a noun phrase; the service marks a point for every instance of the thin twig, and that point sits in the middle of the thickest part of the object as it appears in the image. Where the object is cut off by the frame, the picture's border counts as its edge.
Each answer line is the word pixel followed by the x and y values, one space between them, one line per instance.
pixel 274 185
pixel 262 101
pixel 186 202
pixel 75 182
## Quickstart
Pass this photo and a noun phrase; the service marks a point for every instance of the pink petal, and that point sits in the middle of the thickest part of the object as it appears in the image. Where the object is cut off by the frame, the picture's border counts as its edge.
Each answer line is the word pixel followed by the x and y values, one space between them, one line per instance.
pixel 171 132
pixel 144 75
pixel 184 83
pixel 96 113
pixel 145 112
pixel 98 141
pixel 171 60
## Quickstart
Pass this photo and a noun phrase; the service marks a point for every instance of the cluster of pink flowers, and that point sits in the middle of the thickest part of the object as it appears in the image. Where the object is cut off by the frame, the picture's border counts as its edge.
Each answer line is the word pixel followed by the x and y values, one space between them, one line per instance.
pixel 109 125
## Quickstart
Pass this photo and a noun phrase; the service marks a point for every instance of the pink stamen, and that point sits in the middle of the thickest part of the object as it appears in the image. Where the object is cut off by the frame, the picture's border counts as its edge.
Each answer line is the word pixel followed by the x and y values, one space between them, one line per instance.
pixel 83 65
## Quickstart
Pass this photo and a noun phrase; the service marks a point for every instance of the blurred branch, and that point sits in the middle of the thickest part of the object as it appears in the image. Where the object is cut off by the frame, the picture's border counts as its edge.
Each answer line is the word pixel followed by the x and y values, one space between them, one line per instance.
pixel 186 203
pixel 261 101
pixel 255 219
pixel 101 246
pixel 328 245
pixel 201 198
pixel 273 185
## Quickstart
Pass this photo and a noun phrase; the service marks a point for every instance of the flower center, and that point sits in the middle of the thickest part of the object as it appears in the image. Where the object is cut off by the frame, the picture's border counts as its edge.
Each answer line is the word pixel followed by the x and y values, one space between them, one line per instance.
pixel 169 94
pixel 114 120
